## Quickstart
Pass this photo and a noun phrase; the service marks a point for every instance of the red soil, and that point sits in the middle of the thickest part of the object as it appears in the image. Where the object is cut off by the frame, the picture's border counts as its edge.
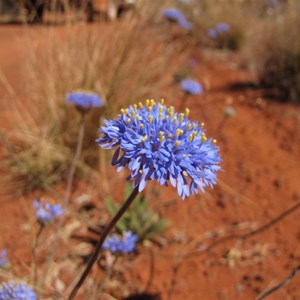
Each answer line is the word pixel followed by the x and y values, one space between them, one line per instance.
pixel 260 149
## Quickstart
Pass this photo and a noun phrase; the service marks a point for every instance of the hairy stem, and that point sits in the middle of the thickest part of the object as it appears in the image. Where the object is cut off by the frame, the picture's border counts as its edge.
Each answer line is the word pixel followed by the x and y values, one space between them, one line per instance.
pixel 96 254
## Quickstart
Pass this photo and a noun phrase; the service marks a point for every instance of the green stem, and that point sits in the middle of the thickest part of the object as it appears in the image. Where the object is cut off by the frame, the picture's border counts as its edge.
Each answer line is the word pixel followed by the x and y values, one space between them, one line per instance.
pixel 98 248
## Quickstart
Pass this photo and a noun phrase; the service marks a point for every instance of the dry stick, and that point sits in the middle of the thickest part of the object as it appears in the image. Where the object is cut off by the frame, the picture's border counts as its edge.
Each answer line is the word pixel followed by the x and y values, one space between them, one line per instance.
pixel 36 242
pixel 280 285
pixel 249 234
pixel 106 231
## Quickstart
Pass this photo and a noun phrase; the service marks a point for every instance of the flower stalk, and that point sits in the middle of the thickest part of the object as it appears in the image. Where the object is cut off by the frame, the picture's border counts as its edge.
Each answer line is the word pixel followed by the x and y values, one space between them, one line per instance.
pixel 96 254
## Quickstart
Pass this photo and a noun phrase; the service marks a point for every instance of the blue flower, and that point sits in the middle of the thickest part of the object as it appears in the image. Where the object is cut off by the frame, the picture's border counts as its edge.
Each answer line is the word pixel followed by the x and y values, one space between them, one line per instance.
pixel 46 212
pixel 222 27
pixel 84 100
pixel 212 33
pixel 125 244
pixel 191 87
pixel 175 15
pixel 3 258
pixel 156 143
pixel 16 291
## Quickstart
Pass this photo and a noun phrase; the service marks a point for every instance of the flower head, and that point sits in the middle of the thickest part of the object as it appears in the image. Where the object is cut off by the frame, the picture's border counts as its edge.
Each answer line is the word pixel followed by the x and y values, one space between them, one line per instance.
pixel 222 27
pixel 16 291
pixel 46 212
pixel 3 258
pixel 125 244
pixel 212 33
pixel 156 143
pixel 191 86
pixel 84 100
pixel 175 15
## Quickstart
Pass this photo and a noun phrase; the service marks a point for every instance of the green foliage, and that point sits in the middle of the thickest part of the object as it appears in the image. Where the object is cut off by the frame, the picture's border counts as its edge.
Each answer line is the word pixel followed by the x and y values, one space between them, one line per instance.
pixel 138 218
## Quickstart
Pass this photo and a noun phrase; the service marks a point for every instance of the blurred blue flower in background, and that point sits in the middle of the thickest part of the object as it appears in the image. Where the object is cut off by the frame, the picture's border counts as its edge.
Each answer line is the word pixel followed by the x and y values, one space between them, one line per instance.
pixel 191 86
pixel 124 244
pixel 175 15
pixel 46 212
pixel 156 143
pixel 222 27
pixel 84 100
pixel 212 33
pixel 3 258
pixel 16 291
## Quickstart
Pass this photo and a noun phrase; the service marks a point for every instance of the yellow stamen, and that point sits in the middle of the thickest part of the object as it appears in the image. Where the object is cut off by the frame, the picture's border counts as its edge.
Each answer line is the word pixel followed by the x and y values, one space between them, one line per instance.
pixel 160 134
pixel 150 118
pixel 188 127
pixel 162 101
pixel 193 126
pixel 152 102
pixel 137 117
pixel 160 115
pixel 175 120
pixel 214 141
pixel 167 117
pixel 141 105
pixel 179 132
pixel 191 137
pixel 126 111
pixel 141 125
pixel 181 115
pixel 184 173
pixel 128 121
pixel 147 102
pixel 162 138
pixel 177 143
pixel 187 112
pixel 202 125
pixel 132 114
pixel 161 109
pixel 144 138
pixel 134 106
pixel 203 137
pixel 150 108
pixel 170 135
pixel 122 111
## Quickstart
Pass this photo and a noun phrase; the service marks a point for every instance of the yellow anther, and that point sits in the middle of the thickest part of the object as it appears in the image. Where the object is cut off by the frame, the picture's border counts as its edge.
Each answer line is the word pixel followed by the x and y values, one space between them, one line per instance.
pixel 171 114
pixel 181 115
pixel 170 135
pixel 187 112
pixel 134 106
pixel 193 126
pixel 141 171
pixel 147 102
pixel 184 173
pixel 137 117
pixel 203 137
pixel 214 141
pixel 150 118
pixel 122 111
pixel 179 132
pixel 191 137
pixel 188 127
pixel 177 143
pixel 144 138
pixel 141 105
pixel 126 111
pixel 132 114
pixel 141 125
pixel 161 109
pixel 160 134
pixel 128 121
pixel 152 102
pixel 175 120
pixel 202 125
pixel 160 115
pixel 167 117
pixel 162 101
pixel 162 138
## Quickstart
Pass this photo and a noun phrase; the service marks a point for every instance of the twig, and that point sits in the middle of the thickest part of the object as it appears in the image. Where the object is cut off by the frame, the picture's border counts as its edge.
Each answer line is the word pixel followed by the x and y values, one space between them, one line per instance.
pixel 249 234
pixel 280 285
pixel 98 248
